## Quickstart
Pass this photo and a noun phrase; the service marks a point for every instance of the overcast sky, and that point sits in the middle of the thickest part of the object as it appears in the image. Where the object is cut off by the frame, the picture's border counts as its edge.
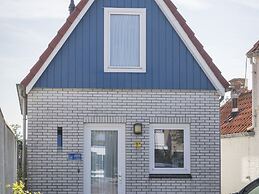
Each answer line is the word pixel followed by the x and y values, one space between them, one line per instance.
pixel 226 28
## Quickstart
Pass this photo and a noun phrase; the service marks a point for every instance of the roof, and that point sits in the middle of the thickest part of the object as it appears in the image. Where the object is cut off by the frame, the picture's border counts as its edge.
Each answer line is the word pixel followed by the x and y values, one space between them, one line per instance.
pixel 236 124
pixel 71 19
pixel 52 45
pixel 253 50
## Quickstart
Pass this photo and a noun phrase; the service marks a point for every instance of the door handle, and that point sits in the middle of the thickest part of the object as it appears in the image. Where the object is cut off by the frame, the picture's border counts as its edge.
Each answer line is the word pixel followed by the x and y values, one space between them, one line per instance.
pixel 119 178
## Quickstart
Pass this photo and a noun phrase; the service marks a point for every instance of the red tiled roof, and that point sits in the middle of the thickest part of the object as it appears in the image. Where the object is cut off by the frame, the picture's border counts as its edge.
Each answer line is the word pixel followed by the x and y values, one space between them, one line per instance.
pixel 196 43
pixel 77 11
pixel 240 122
pixel 255 48
pixel 34 70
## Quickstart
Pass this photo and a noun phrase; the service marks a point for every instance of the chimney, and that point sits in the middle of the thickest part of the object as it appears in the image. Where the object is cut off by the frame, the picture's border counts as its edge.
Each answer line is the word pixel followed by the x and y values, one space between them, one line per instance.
pixel 237 87
pixel 71 6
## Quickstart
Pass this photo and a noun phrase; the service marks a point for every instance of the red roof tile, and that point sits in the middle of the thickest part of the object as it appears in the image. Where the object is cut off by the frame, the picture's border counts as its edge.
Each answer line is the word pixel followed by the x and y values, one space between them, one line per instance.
pixel 196 43
pixel 34 70
pixel 240 122
pixel 77 11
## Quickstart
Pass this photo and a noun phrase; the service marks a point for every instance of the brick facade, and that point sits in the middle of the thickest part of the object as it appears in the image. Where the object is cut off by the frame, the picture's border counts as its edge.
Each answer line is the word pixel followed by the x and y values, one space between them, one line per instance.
pixel 49 170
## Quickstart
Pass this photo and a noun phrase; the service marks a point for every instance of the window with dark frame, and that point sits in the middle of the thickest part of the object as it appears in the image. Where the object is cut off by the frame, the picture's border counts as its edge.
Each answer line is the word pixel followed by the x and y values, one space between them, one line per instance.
pixel 59 138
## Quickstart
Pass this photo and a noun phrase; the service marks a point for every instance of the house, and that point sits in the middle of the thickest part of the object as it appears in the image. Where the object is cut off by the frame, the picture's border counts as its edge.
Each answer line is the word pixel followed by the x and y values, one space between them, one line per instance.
pixel 124 100
pixel 8 156
pixel 239 132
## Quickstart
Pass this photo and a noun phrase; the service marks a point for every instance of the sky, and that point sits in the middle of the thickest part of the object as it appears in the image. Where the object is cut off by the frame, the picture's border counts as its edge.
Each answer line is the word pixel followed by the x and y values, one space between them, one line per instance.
pixel 226 28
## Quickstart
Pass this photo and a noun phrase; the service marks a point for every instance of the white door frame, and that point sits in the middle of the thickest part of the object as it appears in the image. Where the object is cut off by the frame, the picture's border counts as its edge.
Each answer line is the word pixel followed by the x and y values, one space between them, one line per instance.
pixel 87 153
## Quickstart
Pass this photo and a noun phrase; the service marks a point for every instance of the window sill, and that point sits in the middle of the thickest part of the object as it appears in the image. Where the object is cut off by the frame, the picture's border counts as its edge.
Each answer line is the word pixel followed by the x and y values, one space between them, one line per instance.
pixel 124 70
pixel 187 176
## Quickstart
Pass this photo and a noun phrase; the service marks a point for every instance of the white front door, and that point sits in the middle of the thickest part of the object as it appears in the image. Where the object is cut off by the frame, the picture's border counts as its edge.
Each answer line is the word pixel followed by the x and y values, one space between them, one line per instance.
pixel 104 159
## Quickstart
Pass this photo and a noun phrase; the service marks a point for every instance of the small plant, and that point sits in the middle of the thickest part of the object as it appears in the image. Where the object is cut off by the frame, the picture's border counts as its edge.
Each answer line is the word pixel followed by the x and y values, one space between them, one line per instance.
pixel 19 188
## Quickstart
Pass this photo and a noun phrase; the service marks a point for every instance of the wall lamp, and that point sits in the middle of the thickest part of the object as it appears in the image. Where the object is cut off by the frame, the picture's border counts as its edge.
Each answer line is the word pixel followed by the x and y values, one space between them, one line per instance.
pixel 137 128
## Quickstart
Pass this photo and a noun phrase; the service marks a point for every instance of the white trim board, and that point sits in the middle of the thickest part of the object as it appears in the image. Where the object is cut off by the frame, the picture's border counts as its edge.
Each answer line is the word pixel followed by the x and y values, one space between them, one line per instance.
pixel 59 46
pixel 180 31
pixel 175 24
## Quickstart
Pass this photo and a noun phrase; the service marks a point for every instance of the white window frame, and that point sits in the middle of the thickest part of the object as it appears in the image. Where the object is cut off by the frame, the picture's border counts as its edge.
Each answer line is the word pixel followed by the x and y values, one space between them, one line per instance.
pixel 125 11
pixel 187 163
pixel 120 128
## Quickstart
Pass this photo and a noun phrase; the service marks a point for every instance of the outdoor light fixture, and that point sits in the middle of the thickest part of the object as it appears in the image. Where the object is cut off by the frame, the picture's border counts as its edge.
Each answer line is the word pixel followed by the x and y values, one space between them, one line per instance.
pixel 137 128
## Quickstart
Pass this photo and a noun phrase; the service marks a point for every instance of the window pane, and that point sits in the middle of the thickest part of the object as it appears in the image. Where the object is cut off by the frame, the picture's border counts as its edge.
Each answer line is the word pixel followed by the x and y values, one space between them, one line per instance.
pixel 169 148
pixel 104 162
pixel 125 41
pixel 59 137
pixel 254 191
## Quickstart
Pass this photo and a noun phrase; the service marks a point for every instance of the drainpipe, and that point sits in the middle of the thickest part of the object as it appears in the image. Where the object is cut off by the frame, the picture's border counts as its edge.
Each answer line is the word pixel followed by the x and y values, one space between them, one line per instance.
pixel 255 63
pixel 24 137
pixel 23 105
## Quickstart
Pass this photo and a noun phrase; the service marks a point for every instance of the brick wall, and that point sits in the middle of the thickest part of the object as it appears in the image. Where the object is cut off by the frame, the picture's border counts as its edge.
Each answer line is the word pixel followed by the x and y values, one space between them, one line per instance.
pixel 49 171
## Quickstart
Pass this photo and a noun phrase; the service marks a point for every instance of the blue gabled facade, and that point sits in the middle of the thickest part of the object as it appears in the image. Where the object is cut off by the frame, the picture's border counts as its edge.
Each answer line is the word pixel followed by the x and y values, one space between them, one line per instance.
pixel 80 61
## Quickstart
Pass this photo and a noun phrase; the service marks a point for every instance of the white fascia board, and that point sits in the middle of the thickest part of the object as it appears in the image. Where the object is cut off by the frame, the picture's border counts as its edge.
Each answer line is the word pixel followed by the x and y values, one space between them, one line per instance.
pixel 203 64
pixel 173 22
pixel 58 47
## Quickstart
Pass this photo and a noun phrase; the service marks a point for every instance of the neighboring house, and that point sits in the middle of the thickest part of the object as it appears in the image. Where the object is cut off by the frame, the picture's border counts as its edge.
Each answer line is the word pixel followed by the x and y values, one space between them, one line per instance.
pixel 126 87
pixel 8 156
pixel 239 132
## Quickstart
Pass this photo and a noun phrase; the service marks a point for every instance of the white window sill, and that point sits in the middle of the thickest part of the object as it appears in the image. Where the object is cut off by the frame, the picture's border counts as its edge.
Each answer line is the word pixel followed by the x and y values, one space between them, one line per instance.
pixel 170 171
pixel 125 70
pixel 170 176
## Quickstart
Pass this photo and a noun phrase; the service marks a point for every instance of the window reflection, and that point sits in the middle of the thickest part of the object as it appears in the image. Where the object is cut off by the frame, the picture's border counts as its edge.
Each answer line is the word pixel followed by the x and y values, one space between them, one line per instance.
pixel 169 148
pixel 104 162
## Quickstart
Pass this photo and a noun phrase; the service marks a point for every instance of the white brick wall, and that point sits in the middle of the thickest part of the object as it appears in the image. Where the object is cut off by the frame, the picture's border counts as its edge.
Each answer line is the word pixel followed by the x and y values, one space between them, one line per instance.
pixel 49 171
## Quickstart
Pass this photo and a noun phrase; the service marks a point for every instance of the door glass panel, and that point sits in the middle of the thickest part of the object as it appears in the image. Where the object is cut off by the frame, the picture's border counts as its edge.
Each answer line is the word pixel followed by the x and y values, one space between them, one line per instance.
pixel 104 162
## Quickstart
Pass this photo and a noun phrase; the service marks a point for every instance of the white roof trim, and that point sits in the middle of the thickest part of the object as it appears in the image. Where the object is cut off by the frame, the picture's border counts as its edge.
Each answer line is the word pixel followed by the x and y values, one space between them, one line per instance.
pixel 58 47
pixel 196 54
pixel 175 24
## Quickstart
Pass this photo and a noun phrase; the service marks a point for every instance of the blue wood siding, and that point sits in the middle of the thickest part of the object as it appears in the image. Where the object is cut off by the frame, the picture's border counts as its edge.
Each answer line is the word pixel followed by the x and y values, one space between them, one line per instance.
pixel 80 62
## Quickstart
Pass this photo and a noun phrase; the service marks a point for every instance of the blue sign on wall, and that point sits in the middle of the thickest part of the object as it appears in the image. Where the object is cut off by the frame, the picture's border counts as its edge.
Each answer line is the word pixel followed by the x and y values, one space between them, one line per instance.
pixel 74 156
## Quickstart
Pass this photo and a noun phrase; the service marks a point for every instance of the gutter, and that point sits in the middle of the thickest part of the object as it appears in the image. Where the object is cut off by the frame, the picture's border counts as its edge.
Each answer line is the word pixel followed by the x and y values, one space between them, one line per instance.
pixel 241 134
pixel 23 107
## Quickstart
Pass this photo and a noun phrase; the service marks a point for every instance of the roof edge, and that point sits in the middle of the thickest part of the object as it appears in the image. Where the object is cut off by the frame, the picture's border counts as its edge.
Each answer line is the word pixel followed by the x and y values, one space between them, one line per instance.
pixel 198 46
pixel 241 134
pixel 35 72
pixel 54 43
pixel 254 50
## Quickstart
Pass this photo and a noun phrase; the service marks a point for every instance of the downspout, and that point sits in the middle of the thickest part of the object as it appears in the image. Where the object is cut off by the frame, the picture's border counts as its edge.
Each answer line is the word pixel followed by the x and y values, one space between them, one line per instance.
pixel 254 71
pixel 254 94
pixel 24 105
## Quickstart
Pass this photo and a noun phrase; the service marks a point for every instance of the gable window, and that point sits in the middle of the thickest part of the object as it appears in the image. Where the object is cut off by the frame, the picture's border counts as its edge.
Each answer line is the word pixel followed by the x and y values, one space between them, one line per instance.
pixel 125 40
pixel 169 149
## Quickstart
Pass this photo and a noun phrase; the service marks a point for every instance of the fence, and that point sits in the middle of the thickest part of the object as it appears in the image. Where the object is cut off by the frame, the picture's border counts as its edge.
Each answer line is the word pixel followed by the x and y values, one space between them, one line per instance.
pixel 8 156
